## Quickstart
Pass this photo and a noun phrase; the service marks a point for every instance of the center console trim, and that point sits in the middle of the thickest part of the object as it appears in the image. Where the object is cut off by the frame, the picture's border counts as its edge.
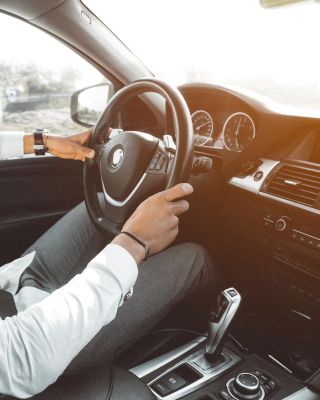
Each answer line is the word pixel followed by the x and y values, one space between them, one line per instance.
pixel 289 202
pixel 230 360
pixel 249 182
pixel 303 394
pixel 152 365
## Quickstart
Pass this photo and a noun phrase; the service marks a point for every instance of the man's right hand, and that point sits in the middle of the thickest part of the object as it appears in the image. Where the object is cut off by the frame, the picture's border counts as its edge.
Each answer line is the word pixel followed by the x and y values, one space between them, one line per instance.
pixel 156 221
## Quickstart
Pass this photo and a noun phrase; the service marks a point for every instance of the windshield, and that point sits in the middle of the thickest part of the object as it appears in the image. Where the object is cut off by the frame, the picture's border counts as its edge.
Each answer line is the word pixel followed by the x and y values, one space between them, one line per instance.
pixel 274 52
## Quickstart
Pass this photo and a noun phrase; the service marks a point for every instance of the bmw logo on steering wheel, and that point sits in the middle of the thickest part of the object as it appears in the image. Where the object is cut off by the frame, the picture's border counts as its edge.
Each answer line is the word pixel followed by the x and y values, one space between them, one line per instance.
pixel 117 158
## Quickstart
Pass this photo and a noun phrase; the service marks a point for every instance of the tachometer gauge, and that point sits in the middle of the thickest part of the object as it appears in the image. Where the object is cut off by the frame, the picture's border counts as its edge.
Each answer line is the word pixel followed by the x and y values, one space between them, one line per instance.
pixel 238 131
pixel 202 127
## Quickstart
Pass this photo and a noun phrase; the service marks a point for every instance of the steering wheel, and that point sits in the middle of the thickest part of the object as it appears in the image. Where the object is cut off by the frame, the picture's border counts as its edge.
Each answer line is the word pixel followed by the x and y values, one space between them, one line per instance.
pixel 131 165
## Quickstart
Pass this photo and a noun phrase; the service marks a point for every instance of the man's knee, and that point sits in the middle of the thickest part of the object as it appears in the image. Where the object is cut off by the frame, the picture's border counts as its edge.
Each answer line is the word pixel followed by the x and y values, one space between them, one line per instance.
pixel 193 264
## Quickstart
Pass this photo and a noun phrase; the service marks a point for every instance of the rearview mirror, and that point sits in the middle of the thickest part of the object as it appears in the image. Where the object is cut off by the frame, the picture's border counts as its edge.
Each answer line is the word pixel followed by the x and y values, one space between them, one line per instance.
pixel 87 104
pixel 279 3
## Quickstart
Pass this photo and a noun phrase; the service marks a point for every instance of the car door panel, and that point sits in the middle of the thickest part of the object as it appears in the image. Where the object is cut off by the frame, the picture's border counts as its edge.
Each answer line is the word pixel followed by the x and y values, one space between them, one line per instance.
pixel 35 193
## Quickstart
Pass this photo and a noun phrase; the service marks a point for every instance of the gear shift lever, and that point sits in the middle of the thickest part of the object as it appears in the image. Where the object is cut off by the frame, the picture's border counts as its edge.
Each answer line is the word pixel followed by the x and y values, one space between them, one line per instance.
pixel 219 321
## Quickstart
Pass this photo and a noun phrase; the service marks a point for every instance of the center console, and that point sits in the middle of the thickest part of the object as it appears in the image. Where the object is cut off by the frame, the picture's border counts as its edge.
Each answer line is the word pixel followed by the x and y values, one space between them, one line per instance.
pixel 285 222
pixel 212 368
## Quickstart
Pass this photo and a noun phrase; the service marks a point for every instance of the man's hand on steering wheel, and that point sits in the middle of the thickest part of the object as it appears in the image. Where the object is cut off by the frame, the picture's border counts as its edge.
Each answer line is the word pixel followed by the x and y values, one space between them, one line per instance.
pixel 155 221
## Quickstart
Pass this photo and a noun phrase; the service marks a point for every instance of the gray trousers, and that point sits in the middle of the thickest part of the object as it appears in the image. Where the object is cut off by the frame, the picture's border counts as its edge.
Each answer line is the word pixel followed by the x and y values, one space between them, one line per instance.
pixel 163 280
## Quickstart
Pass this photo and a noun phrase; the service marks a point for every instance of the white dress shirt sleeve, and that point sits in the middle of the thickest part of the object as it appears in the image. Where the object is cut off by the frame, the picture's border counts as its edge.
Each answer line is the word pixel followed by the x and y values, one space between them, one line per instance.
pixel 38 343
pixel 11 145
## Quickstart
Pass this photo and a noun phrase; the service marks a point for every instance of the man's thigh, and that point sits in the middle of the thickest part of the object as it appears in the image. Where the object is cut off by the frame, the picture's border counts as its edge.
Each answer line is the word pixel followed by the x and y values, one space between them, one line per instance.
pixel 163 281
pixel 63 251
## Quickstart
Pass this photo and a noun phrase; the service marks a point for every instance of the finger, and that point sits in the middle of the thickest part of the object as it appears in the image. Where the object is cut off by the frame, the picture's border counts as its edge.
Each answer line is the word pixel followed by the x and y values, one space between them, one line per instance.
pixel 69 156
pixel 81 151
pixel 179 207
pixel 62 155
pixel 180 190
pixel 66 148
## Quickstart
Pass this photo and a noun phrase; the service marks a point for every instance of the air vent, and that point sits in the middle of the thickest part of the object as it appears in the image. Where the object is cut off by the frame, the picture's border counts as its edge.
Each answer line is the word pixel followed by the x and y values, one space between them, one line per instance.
pixel 298 183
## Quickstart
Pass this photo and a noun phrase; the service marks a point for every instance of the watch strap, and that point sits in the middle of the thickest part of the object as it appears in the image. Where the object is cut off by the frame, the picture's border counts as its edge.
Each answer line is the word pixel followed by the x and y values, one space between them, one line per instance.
pixel 39 147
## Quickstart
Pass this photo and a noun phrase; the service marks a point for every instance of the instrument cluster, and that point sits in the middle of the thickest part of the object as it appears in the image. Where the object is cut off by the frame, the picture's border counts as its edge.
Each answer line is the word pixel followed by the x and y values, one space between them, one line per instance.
pixel 234 132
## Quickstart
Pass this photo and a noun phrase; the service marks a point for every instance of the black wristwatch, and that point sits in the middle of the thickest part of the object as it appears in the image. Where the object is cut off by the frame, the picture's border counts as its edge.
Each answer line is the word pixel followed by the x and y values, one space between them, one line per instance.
pixel 39 147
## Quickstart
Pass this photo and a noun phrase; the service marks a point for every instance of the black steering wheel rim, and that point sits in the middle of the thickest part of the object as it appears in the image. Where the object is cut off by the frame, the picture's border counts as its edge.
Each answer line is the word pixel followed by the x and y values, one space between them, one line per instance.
pixel 109 217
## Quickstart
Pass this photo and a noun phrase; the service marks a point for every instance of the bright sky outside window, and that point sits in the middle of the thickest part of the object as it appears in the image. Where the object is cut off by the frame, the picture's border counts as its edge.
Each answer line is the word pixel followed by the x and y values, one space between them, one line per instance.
pixel 235 42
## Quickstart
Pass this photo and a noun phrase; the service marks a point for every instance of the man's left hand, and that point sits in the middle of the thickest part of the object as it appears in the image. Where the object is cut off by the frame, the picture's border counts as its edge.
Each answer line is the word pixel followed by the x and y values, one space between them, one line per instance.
pixel 72 147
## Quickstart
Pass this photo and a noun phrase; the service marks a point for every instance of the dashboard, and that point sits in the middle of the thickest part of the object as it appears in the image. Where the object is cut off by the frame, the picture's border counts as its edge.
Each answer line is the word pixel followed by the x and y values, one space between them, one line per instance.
pixel 266 211
pixel 219 122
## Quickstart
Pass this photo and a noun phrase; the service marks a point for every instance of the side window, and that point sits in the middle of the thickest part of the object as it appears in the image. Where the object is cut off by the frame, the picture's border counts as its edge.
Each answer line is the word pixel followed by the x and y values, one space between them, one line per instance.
pixel 38 76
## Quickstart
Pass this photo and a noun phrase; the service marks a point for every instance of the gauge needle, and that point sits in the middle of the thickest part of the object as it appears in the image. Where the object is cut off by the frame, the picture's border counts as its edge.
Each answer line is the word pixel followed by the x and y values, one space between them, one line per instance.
pixel 199 127
pixel 237 142
pixel 238 127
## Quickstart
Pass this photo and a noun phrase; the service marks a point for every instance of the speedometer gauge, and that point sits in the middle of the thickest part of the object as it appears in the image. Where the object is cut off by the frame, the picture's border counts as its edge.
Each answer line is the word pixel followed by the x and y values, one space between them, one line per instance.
pixel 238 131
pixel 202 127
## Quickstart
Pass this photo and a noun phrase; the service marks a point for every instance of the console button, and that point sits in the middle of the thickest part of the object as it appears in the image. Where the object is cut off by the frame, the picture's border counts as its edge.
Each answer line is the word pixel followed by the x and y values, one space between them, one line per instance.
pixel 161 388
pixel 173 381
pixel 233 292
pixel 281 225
pixel 168 384
pixel 268 223
pixel 302 238
pixel 272 384
pixel 263 378
pixel 257 372
pixel 267 389
pixel 311 242
pixel 258 176
pixel 225 395
pixel 247 380
pixel 245 386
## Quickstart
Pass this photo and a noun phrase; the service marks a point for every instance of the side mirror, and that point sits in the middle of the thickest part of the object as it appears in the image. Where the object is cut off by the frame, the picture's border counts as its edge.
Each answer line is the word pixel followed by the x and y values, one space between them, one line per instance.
pixel 87 104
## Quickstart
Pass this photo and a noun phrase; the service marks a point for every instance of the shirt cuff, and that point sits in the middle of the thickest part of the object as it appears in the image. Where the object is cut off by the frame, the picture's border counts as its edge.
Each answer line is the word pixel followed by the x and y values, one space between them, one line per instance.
pixel 120 263
pixel 11 145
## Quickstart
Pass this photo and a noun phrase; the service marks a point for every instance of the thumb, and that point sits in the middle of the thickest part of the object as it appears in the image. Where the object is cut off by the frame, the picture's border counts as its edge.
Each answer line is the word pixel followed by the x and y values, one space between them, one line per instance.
pixel 177 191
pixel 88 153
pixel 82 151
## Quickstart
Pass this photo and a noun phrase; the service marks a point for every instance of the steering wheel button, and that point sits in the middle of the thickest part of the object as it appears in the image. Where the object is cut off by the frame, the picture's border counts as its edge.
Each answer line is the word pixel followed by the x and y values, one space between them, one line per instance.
pixel 160 162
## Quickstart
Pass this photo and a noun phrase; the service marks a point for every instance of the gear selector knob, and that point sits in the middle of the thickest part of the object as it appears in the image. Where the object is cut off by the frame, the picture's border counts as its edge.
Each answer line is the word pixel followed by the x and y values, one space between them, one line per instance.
pixel 220 319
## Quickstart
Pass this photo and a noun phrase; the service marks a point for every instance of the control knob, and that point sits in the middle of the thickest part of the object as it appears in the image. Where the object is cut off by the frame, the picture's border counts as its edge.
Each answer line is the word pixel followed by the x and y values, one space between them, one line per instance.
pixel 246 386
pixel 282 223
